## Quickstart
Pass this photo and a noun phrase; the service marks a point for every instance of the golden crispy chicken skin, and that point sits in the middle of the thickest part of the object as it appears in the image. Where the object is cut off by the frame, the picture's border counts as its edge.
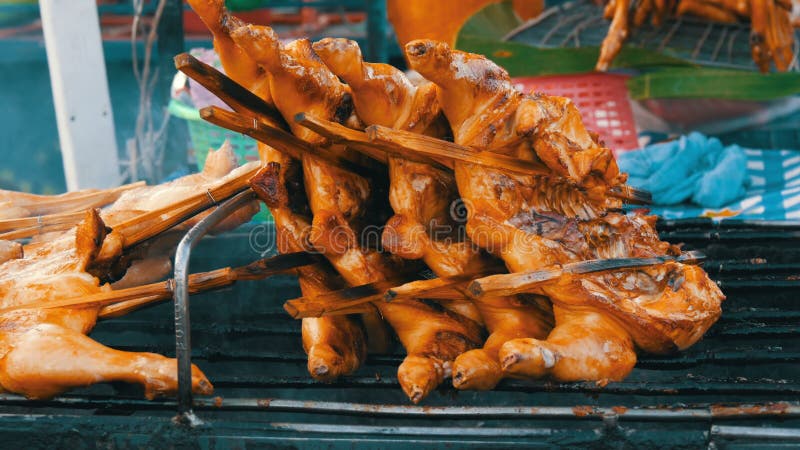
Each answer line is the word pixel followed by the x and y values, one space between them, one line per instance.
pixel 44 352
pixel 599 318
pixel 338 199
pixel 423 198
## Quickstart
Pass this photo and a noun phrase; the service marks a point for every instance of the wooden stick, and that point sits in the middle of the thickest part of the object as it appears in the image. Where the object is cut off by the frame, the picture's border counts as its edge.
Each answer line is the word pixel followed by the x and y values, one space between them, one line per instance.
pixel 136 297
pixel 341 301
pixel 520 282
pixel 183 210
pixel 282 141
pixel 53 222
pixel 122 308
pixel 74 211
pixel 50 205
pixel 331 302
pixel 358 140
pixel 432 147
pixel 49 220
pixel 436 288
pixel 256 270
pixel 340 134
pixel 232 93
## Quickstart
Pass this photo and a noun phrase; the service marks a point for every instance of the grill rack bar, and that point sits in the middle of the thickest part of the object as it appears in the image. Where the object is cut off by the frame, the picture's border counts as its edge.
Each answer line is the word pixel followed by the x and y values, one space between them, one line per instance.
pixel 705 412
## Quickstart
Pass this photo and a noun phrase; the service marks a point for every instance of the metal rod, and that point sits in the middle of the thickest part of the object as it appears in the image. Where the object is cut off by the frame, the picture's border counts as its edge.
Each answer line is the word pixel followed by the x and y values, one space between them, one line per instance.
pixel 704 412
pixel 183 344
pixel 759 434
pixel 710 412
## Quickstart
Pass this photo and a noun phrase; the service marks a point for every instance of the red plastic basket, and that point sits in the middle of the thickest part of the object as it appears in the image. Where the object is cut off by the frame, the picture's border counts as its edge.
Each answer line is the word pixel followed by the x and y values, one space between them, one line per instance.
pixel 603 102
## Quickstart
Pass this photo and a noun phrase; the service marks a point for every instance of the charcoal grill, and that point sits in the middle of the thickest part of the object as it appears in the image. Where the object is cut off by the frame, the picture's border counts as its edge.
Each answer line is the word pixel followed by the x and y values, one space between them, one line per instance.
pixel 738 387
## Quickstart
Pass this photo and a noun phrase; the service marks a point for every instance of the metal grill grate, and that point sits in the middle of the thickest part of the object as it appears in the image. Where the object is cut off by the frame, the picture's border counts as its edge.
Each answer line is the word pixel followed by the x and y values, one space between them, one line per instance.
pixel 251 350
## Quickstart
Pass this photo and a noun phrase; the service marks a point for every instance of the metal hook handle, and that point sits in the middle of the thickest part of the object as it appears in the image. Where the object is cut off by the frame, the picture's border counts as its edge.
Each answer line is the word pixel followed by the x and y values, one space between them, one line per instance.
pixel 183 344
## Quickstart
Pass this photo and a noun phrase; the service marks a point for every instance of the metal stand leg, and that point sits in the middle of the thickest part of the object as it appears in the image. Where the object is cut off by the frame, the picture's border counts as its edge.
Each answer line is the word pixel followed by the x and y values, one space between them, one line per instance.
pixel 183 344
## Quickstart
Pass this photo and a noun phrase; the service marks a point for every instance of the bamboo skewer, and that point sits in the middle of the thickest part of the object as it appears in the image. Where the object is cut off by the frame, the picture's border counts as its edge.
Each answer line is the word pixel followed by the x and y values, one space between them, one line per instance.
pixel 436 152
pixel 183 210
pixel 128 306
pixel 54 222
pixel 25 227
pixel 270 129
pixel 164 218
pixel 451 288
pixel 432 147
pixel 464 286
pixel 340 134
pixel 65 203
pixel 519 282
pixel 338 301
pixel 232 93
pixel 126 300
pixel 281 140
pixel 49 220
pixel 358 140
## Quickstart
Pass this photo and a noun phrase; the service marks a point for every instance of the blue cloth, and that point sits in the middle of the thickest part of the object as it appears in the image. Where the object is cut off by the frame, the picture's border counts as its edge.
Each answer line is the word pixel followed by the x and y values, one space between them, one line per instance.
pixel 693 168
pixel 713 184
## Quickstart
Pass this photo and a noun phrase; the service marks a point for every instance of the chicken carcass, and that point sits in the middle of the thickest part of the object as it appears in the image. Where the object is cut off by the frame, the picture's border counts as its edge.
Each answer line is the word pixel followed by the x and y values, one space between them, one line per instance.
pixel 46 351
pixel 82 261
pixel 338 201
pixel 423 198
pixel 333 344
pixel 601 317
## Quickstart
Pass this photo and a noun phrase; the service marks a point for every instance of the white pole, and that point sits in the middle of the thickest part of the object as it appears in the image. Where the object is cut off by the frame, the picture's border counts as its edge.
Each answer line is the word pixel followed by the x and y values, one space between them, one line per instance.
pixel 80 93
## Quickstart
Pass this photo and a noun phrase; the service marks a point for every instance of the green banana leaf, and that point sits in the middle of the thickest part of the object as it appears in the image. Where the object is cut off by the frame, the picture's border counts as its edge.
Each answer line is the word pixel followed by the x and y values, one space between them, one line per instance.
pixel 522 60
pixel 713 83
pixel 492 22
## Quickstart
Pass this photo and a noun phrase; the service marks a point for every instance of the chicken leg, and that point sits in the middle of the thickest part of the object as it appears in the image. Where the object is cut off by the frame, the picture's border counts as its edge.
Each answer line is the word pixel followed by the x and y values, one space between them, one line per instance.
pixel 75 360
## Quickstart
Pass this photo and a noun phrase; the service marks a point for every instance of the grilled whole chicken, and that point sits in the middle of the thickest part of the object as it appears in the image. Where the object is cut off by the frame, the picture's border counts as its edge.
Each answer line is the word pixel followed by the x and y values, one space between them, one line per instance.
pixel 83 261
pixel 422 197
pixel 338 200
pixel 336 345
pixel 599 318
pixel 44 352
pixel 333 195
